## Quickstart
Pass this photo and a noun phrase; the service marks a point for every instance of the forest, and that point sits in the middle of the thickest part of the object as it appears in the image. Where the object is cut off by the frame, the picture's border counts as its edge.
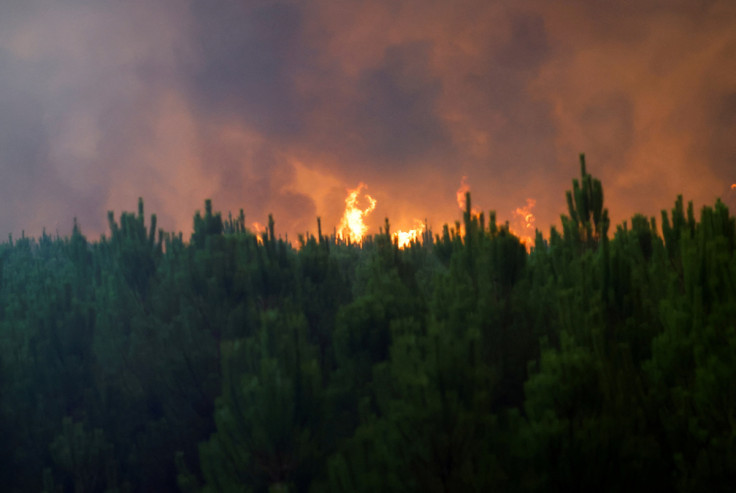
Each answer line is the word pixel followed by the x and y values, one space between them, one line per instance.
pixel 603 359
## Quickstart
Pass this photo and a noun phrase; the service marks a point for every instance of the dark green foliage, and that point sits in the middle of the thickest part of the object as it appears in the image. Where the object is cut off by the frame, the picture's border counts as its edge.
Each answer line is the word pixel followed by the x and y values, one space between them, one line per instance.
pixel 588 221
pixel 85 459
pixel 231 362
pixel 269 416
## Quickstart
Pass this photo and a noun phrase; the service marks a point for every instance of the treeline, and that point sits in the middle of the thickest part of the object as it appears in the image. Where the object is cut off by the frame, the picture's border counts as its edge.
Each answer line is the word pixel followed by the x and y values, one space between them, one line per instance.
pixel 601 361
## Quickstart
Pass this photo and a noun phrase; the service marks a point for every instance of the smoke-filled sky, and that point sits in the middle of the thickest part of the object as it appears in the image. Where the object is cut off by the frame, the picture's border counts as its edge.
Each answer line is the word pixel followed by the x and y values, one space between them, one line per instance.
pixel 282 106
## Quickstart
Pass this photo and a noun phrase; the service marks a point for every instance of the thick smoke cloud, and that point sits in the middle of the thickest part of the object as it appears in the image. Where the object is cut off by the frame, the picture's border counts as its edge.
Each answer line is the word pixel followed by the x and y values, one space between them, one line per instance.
pixel 278 107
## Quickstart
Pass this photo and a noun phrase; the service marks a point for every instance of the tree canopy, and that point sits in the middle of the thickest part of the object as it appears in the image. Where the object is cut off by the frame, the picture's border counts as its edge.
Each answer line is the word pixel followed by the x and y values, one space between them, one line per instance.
pixel 234 361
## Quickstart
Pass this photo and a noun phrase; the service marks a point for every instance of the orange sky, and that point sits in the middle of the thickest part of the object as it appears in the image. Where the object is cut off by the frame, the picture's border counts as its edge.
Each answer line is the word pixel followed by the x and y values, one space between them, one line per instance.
pixel 283 106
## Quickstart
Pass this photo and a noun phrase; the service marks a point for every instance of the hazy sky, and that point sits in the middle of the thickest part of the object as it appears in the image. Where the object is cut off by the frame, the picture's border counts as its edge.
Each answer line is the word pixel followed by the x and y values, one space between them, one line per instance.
pixel 282 106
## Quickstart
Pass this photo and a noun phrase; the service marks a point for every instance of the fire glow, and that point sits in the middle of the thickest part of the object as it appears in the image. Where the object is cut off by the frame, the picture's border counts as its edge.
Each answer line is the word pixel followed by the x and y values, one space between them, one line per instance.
pixel 352 226
pixel 527 219
pixel 460 195
pixel 259 230
pixel 464 189
pixel 406 238
pixel 524 220
pixel 353 229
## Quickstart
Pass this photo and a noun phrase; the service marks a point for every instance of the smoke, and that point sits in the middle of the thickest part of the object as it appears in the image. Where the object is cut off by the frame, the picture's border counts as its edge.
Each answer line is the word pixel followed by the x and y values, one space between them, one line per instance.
pixel 281 107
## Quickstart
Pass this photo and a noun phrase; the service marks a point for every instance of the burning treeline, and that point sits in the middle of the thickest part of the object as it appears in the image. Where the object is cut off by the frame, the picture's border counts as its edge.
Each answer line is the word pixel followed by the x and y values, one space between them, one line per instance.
pixel 352 227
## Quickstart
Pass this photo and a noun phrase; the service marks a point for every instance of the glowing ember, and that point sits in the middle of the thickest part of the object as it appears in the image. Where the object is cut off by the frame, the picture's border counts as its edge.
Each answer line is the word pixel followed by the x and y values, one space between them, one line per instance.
pixel 733 187
pixel 526 218
pixel 352 227
pixel 405 238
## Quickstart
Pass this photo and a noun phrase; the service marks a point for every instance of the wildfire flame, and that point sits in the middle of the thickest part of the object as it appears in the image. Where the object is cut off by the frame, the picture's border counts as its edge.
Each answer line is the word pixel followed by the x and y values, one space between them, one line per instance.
pixel 464 188
pixel 258 230
pixel 526 213
pixel 352 227
pixel 405 238
pixel 733 187
pixel 525 216
pixel 461 192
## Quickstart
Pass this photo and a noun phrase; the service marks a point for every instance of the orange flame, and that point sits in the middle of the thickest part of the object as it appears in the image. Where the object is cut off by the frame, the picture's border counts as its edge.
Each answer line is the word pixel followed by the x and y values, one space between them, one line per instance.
pixel 733 187
pixel 525 216
pixel 258 229
pixel 352 227
pixel 464 188
pixel 406 238
pixel 526 213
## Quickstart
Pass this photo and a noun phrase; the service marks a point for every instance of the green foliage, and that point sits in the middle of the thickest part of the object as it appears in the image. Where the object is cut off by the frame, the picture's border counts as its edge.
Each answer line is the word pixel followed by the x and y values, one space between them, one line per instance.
pixel 85 459
pixel 237 362
pixel 268 413
pixel 588 221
